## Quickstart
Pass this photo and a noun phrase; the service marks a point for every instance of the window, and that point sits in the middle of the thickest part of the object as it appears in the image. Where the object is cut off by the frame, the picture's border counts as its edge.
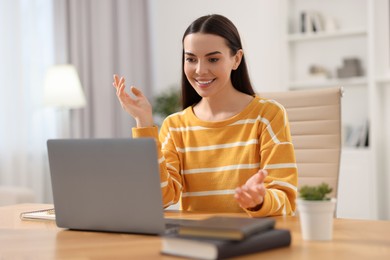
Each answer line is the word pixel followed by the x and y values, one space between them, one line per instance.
pixel 26 50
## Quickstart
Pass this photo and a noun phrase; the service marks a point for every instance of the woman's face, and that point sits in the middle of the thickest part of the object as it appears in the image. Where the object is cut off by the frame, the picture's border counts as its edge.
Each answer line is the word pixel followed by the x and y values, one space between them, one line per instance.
pixel 208 63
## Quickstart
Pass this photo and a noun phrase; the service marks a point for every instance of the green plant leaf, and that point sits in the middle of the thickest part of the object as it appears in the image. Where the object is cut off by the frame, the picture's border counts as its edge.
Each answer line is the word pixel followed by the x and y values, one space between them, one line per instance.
pixel 167 102
pixel 318 192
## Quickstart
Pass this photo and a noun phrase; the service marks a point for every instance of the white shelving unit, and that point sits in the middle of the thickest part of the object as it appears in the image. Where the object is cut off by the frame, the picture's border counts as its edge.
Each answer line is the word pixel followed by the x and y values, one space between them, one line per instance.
pixel 296 37
pixel 380 96
pixel 383 80
pixel 349 37
pixel 352 35
pixel 353 81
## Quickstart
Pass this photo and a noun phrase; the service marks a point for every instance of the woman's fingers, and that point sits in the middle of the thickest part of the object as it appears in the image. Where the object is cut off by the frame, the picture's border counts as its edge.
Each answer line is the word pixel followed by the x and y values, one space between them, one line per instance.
pixel 252 193
pixel 262 174
pixel 119 84
pixel 116 81
pixel 120 90
pixel 136 91
pixel 121 87
pixel 241 197
pixel 133 102
pixel 249 197
pixel 257 196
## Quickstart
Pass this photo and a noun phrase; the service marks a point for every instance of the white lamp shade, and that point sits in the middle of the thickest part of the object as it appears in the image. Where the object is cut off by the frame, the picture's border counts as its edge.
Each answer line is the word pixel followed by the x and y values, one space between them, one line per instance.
pixel 63 88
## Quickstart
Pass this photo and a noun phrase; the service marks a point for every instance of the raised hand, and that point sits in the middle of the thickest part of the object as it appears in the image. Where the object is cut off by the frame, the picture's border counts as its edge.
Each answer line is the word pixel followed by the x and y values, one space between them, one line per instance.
pixel 138 107
pixel 251 194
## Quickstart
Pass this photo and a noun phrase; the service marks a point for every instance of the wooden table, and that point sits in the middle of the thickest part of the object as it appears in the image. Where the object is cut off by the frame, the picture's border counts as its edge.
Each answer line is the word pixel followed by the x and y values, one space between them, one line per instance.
pixel 353 239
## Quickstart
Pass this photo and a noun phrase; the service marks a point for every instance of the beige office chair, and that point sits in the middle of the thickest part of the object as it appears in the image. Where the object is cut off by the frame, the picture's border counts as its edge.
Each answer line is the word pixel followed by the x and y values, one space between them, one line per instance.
pixel 315 122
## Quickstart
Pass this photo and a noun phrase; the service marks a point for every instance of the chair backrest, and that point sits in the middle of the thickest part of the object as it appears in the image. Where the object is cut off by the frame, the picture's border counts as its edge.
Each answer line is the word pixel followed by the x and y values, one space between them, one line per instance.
pixel 315 124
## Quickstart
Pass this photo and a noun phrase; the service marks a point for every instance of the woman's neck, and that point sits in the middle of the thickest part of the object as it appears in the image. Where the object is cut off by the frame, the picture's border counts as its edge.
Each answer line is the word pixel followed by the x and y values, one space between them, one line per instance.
pixel 222 107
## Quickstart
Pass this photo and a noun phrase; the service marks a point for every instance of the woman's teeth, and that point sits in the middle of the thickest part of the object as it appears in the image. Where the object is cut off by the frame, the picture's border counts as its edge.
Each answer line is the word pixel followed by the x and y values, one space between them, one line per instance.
pixel 205 82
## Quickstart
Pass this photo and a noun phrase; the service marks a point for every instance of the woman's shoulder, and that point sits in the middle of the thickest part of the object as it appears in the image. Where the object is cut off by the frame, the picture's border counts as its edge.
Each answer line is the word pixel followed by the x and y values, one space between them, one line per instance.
pixel 176 118
pixel 270 110
pixel 267 105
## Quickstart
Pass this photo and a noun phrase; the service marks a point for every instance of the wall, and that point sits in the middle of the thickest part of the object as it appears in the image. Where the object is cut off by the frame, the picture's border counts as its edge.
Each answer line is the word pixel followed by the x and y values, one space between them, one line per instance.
pixel 257 22
pixel 380 105
pixel 261 27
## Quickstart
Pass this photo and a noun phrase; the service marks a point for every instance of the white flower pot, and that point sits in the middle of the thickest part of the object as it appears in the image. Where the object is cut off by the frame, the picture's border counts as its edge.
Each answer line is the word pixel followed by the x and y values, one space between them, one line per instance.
pixel 316 218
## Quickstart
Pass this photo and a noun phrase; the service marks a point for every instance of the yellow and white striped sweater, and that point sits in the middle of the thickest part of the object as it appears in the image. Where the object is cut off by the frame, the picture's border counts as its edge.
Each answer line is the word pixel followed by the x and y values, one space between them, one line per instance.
pixel 203 162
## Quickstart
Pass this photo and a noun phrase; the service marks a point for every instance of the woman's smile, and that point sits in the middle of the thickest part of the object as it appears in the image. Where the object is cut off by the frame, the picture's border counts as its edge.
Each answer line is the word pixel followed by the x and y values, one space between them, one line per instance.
pixel 204 83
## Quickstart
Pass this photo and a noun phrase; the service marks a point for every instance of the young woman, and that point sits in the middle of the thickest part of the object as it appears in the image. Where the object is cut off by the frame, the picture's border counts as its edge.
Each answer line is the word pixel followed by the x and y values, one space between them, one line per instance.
pixel 228 150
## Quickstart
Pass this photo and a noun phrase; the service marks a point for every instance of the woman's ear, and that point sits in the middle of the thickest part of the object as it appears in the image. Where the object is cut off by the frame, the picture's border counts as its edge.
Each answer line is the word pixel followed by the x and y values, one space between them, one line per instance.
pixel 238 58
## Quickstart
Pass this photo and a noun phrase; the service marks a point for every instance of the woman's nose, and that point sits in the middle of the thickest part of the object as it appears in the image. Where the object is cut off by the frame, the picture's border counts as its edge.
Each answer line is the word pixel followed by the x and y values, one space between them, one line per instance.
pixel 201 68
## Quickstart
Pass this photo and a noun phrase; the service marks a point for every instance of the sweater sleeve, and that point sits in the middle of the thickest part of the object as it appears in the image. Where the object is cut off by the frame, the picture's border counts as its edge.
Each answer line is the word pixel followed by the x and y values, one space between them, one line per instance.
pixel 278 158
pixel 171 183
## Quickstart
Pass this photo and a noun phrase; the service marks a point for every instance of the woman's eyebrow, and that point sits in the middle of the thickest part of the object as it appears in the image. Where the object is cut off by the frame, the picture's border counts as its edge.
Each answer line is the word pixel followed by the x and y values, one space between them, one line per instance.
pixel 213 53
pixel 208 54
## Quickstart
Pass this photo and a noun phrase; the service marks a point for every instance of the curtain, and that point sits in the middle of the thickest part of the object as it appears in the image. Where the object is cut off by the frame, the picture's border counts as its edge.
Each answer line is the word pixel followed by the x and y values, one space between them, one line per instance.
pixel 26 50
pixel 102 38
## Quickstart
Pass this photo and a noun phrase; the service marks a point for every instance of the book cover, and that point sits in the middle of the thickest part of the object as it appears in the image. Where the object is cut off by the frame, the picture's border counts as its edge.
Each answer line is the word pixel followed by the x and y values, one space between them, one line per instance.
pixel 45 214
pixel 230 228
pixel 204 248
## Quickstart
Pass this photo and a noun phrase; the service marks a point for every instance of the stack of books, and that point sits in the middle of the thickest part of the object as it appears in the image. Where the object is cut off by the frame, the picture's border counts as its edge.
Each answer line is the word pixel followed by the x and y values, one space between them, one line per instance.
pixel 224 237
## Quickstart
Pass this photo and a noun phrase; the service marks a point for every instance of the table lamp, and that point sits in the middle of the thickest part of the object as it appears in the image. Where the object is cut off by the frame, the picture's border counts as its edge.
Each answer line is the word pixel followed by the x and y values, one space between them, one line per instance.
pixel 62 89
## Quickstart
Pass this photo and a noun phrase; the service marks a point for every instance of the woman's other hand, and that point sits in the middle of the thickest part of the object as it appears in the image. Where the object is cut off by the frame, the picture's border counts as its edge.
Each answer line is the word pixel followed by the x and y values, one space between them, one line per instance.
pixel 138 107
pixel 251 195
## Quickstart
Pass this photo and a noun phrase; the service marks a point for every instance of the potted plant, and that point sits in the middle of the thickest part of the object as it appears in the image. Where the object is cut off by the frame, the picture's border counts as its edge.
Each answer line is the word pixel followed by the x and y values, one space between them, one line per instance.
pixel 316 212
pixel 166 103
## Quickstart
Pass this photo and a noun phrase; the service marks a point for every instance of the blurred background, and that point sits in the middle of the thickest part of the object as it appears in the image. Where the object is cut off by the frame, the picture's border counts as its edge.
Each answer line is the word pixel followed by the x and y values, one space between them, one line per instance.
pixel 58 58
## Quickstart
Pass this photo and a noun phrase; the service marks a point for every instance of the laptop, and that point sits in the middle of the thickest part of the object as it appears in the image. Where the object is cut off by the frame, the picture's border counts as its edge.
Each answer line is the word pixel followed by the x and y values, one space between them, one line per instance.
pixel 108 185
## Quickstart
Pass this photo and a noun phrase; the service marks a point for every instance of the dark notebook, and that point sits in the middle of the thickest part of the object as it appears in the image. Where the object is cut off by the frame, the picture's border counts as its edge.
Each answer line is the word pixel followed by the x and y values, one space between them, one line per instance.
pixel 204 248
pixel 229 228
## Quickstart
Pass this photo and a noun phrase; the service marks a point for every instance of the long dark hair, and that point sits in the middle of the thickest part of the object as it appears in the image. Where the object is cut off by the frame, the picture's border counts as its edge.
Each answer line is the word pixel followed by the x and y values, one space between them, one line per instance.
pixel 223 27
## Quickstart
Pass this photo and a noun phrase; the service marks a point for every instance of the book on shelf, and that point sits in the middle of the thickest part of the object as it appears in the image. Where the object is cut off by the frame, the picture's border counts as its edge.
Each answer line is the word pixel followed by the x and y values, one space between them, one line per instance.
pixel 223 227
pixel 44 214
pixel 363 135
pixel 357 136
pixel 207 248
pixel 311 22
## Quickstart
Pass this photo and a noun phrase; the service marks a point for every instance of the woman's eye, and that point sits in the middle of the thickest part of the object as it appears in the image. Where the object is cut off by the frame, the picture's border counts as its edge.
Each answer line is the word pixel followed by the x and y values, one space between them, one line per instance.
pixel 213 60
pixel 190 60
